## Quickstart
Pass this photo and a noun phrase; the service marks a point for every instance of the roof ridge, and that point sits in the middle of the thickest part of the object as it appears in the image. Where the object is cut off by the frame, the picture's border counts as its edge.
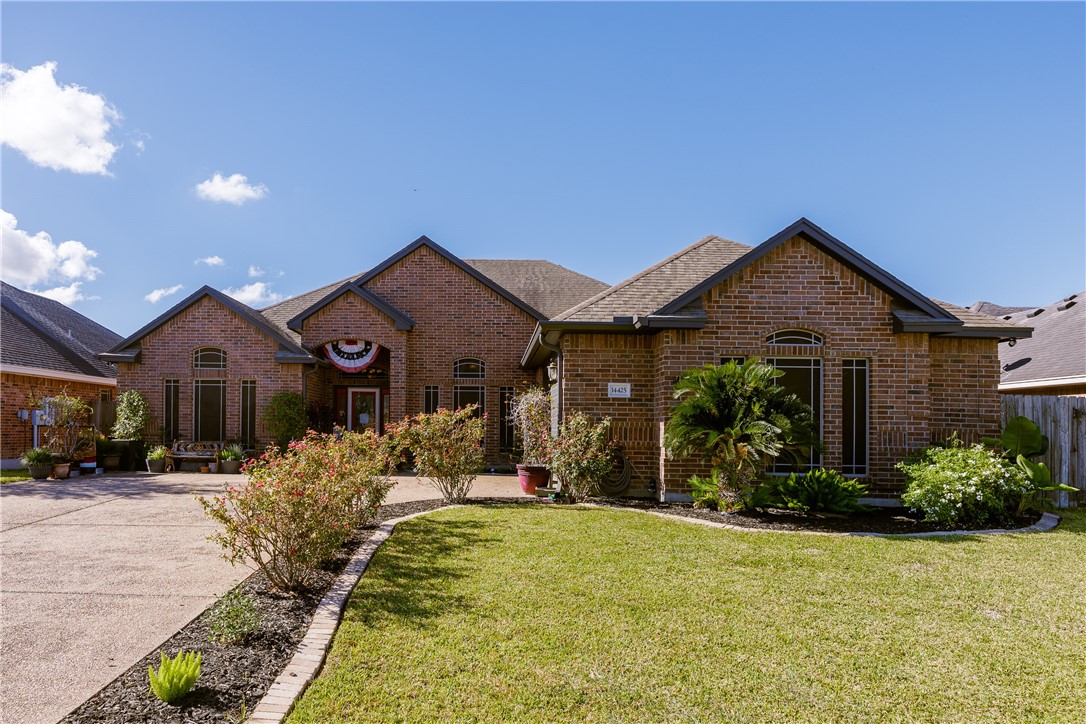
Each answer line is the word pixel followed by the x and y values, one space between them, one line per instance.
pixel 643 273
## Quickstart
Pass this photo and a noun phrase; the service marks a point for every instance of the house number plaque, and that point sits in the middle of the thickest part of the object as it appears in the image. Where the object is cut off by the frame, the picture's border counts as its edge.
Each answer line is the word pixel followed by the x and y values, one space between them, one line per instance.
pixel 618 389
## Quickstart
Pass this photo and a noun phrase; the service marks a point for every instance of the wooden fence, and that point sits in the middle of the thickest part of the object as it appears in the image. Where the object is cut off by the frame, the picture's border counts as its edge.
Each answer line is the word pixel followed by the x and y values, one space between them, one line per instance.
pixel 1063 420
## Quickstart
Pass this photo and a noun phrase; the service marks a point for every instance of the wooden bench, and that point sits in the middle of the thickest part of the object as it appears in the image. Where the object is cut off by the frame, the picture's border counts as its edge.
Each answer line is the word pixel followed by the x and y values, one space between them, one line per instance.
pixel 202 451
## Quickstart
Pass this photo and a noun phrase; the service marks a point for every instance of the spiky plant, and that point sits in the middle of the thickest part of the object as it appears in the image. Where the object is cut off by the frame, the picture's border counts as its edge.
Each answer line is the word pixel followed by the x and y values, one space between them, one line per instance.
pixel 175 676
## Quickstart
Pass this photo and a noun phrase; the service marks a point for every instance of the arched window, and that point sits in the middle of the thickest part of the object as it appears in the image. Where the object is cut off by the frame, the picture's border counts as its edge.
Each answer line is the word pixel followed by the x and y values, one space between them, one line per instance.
pixel 469 368
pixel 794 338
pixel 209 358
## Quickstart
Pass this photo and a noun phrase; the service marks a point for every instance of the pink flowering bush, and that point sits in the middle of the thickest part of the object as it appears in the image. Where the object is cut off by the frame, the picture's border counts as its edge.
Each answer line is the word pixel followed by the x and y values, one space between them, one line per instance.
pixel 581 455
pixel 448 449
pixel 300 504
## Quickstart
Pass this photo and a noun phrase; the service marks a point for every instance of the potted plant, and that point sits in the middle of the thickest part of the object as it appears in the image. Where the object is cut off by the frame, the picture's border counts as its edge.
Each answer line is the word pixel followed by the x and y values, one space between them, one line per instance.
pixel 156 459
pixel 39 461
pixel 230 459
pixel 108 452
pixel 530 413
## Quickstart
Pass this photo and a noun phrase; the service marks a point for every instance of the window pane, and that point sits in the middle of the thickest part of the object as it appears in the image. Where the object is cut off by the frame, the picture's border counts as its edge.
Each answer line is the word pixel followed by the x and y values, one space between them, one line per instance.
pixel 737 360
pixel 795 337
pixel 430 399
pixel 171 394
pixel 854 422
pixel 506 430
pixel 469 368
pixel 209 358
pixel 464 396
pixel 210 413
pixel 248 411
pixel 803 378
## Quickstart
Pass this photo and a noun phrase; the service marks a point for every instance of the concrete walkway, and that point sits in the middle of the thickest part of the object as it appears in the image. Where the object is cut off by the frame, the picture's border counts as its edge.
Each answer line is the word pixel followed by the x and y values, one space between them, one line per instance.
pixel 98 571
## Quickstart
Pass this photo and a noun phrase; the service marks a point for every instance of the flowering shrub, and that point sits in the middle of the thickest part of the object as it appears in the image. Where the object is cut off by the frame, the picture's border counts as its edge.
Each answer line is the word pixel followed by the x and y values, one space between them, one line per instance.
pixel 448 448
pixel 531 415
pixel 958 485
pixel 581 455
pixel 299 505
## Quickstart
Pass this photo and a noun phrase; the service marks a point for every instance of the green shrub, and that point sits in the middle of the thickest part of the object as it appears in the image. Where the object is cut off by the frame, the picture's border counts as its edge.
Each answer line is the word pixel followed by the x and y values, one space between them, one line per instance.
pixel 705 491
pixel 581 455
pixel 133 413
pixel 299 505
pixel 820 490
pixel 447 447
pixel 37 456
pixel 158 452
pixel 175 676
pixel 285 417
pixel 234 618
pixel 963 486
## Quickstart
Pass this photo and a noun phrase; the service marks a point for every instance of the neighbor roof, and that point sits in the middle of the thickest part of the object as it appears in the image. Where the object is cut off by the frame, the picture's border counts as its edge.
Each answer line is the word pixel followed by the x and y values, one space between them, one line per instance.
pixel 42 333
pixel 1055 354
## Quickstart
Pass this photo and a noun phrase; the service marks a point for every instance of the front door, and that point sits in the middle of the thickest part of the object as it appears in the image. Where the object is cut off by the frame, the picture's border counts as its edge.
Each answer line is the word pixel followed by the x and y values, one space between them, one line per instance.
pixel 364 409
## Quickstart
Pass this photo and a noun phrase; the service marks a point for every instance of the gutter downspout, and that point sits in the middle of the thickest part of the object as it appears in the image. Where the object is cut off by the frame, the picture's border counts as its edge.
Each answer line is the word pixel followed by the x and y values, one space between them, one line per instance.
pixel 557 350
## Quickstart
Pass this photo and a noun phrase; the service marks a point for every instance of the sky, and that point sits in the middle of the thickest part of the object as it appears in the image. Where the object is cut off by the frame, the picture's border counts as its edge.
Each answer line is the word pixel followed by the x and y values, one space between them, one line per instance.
pixel 267 149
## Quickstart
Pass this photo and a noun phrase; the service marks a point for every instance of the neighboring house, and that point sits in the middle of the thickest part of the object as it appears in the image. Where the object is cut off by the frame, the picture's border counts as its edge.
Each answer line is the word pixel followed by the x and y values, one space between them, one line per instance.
pixel 46 348
pixel 1053 360
pixel 886 369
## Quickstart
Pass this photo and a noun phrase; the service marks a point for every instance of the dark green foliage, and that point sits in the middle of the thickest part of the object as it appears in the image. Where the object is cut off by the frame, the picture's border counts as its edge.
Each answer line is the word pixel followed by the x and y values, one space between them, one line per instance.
pixel 1021 436
pixel 705 491
pixel 285 417
pixel 732 416
pixel 175 676
pixel 822 490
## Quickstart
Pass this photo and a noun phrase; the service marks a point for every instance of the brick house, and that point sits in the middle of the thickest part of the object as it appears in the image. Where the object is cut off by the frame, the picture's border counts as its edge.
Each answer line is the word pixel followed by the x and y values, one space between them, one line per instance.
pixel 46 348
pixel 886 369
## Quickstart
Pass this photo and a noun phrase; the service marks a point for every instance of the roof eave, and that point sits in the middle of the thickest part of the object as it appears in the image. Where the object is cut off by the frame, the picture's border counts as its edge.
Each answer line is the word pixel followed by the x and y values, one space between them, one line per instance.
pixel 674 321
pixel 129 355
pixel 1000 333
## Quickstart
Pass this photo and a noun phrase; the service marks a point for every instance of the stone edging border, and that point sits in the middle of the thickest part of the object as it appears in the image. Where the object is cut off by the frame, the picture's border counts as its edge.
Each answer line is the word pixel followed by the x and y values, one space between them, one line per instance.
pixel 309 656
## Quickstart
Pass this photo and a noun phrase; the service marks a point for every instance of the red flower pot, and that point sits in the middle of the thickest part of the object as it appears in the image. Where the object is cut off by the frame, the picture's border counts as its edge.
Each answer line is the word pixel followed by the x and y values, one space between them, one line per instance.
pixel 532 477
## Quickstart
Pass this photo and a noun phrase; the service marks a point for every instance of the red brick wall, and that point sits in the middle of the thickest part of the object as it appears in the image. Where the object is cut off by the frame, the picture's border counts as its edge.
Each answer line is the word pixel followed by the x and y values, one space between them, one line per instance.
pixel 17 392
pixel 455 316
pixel 167 354
pixel 911 385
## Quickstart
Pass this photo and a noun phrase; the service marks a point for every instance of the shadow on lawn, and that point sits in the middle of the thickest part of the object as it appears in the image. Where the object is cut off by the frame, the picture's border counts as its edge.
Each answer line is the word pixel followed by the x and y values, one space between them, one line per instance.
pixel 410 575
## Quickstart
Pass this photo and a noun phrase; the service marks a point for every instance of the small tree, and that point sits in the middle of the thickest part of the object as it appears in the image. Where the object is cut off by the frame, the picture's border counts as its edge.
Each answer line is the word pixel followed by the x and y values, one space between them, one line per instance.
pixel 133 413
pixel 581 455
pixel 66 416
pixel 285 417
pixel 733 416
pixel 448 449
pixel 531 415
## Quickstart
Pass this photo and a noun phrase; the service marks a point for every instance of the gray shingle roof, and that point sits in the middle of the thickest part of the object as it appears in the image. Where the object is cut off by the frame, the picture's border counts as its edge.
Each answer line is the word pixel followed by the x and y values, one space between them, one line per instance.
pixel 977 320
pixel 40 332
pixel 1056 349
pixel 653 288
pixel 544 285
pixel 281 313
pixel 996 310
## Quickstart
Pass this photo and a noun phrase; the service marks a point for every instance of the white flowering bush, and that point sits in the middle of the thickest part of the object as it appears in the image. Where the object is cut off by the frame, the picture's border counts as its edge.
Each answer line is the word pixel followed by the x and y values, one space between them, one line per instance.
pixel 963 486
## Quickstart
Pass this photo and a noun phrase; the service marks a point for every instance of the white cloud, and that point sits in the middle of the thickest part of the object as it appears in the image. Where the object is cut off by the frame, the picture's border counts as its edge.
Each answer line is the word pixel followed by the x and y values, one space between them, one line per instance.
pixel 31 259
pixel 211 261
pixel 59 127
pixel 139 140
pixel 158 294
pixel 257 294
pixel 234 189
pixel 65 295
pixel 255 271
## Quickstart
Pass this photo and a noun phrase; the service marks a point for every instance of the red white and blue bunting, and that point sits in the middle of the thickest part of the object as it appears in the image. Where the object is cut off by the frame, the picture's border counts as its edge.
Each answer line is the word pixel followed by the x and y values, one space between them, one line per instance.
pixel 351 355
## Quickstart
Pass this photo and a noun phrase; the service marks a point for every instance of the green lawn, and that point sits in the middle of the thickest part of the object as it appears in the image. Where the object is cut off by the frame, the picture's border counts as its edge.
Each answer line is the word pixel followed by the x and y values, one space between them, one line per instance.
pixel 547 613
pixel 11 476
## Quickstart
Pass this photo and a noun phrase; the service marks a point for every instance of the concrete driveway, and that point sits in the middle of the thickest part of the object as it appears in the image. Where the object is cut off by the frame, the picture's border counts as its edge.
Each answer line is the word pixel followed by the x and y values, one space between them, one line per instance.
pixel 98 571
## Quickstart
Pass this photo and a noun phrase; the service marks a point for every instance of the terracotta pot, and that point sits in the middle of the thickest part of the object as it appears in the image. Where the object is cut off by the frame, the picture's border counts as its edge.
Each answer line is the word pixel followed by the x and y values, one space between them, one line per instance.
pixel 205 469
pixel 532 477
pixel 156 466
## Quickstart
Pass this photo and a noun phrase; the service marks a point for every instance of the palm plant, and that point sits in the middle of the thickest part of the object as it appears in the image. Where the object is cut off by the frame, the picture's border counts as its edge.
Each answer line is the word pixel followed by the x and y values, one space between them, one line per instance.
pixel 733 416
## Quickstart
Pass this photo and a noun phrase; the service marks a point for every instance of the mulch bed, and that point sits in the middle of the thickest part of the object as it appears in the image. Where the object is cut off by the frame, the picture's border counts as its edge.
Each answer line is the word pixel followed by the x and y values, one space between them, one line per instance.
pixel 233 678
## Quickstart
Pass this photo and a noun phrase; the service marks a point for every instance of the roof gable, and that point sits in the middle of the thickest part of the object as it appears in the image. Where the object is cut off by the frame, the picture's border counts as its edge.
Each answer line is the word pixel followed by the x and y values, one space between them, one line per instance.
pixel 403 321
pixel 128 350
pixel 832 246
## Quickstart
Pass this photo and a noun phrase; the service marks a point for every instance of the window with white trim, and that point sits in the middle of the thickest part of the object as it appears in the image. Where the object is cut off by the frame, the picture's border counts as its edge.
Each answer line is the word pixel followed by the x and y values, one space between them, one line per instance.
pixel 469 368
pixel 209 358
pixel 854 416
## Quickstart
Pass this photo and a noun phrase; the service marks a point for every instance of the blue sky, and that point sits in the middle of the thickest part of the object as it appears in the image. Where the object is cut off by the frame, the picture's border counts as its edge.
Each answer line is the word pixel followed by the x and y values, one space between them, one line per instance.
pixel 945 142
